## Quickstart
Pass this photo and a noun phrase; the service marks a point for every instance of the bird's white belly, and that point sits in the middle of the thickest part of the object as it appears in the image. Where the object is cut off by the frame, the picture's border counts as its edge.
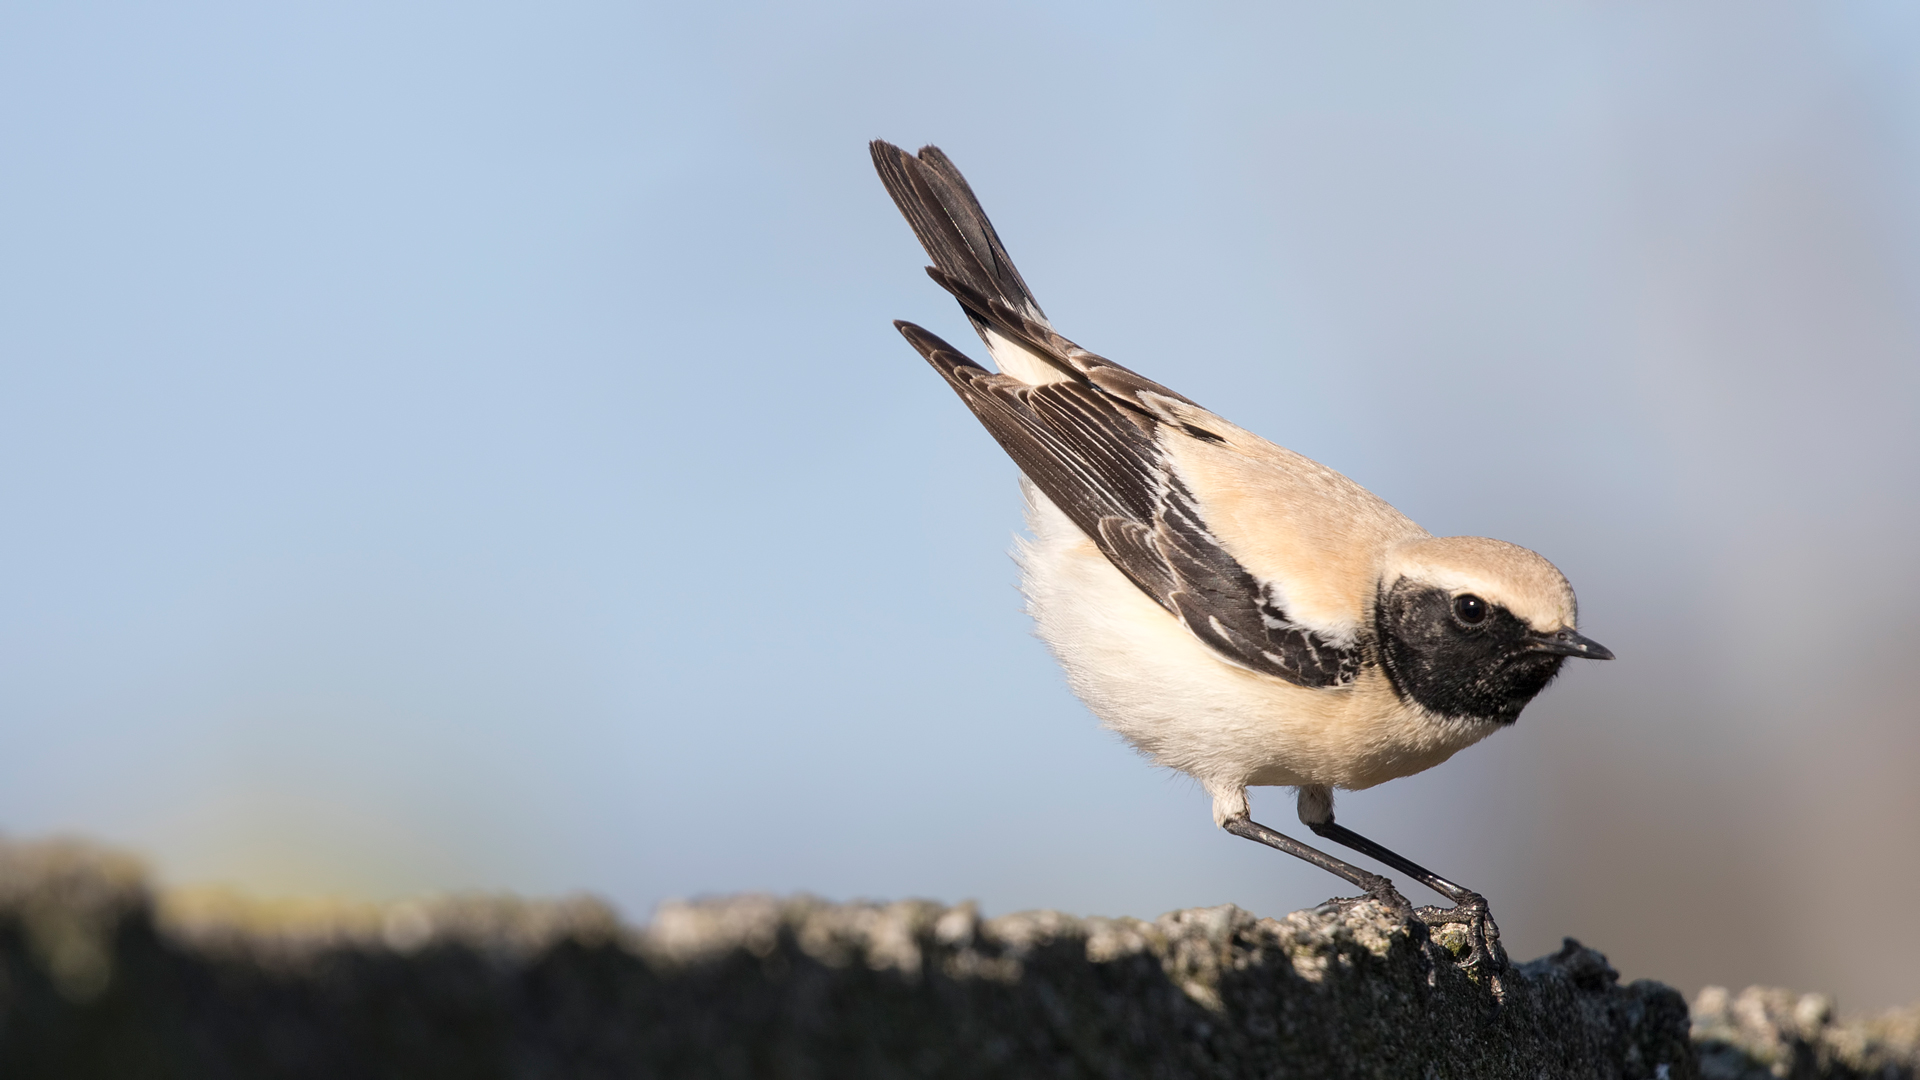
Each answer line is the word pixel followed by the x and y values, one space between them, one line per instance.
pixel 1146 677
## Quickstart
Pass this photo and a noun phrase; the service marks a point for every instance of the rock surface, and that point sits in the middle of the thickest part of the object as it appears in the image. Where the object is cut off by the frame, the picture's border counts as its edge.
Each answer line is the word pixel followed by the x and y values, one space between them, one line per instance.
pixel 100 978
pixel 1765 1033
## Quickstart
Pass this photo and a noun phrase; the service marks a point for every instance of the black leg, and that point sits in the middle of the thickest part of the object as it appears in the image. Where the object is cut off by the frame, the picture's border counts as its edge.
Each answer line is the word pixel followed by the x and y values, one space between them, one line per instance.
pixel 1346 837
pixel 1376 886
pixel 1469 907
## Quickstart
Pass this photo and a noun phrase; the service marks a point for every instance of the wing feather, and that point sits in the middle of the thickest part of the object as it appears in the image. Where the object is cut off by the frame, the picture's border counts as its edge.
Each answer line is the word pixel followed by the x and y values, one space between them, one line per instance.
pixel 1109 474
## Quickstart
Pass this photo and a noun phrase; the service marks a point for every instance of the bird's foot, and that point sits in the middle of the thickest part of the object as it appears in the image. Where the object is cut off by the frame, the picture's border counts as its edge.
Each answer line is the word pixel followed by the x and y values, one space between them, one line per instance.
pixel 1381 891
pixel 1467 931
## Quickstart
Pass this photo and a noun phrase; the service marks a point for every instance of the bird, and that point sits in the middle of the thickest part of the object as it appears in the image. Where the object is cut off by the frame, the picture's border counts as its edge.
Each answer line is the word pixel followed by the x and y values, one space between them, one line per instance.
pixel 1232 609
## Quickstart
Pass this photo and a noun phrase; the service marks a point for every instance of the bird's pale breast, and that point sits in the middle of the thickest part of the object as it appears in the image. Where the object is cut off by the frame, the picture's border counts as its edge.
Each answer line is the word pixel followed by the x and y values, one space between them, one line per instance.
pixel 1152 681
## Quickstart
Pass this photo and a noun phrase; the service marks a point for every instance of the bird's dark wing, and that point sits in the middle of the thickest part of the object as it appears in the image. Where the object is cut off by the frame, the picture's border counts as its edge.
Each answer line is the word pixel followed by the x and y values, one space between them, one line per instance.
pixel 1103 464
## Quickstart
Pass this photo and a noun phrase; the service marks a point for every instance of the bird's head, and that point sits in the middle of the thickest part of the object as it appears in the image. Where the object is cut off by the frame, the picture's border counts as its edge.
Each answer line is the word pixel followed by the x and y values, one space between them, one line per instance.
pixel 1472 628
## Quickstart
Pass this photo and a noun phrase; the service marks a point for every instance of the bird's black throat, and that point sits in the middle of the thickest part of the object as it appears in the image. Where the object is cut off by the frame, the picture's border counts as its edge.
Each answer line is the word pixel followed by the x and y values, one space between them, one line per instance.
pixel 1481 672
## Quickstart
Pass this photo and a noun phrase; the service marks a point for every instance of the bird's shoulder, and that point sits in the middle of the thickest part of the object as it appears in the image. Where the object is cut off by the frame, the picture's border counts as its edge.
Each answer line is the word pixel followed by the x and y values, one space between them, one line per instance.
pixel 1316 537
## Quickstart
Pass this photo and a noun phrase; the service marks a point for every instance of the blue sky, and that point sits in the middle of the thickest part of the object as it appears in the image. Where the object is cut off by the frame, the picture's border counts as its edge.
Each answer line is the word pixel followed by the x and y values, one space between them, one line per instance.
pixel 465 446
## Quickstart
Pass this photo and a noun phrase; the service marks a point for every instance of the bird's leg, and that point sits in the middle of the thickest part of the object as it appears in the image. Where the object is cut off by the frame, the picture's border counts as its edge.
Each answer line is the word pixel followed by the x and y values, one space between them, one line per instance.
pixel 1469 907
pixel 1377 887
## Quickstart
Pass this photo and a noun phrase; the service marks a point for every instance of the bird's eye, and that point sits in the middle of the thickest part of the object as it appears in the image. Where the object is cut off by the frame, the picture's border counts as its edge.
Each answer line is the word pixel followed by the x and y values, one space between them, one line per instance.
pixel 1469 608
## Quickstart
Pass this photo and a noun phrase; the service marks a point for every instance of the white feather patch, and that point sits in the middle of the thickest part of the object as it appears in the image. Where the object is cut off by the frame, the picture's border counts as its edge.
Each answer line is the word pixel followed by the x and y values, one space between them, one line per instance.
pixel 1015 359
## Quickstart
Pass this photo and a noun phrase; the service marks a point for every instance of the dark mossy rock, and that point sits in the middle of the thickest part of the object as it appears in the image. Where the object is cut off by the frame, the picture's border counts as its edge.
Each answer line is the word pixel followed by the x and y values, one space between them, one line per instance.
pixel 99 978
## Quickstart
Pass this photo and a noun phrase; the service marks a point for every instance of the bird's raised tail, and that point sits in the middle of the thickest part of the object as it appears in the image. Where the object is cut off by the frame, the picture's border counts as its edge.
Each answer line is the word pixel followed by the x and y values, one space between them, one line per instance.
pixel 972 264
pixel 966 252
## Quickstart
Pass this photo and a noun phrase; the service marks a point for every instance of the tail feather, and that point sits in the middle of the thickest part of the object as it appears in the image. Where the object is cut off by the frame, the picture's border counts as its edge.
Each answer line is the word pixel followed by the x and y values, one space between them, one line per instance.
pixel 972 265
pixel 936 200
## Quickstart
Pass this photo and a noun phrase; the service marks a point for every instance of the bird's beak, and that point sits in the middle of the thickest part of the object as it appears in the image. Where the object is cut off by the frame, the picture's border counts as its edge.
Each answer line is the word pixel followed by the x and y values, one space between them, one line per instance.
pixel 1568 643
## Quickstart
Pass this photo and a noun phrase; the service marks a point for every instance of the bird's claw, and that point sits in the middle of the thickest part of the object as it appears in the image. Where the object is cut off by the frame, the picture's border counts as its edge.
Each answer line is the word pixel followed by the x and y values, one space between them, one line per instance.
pixel 1467 928
pixel 1381 891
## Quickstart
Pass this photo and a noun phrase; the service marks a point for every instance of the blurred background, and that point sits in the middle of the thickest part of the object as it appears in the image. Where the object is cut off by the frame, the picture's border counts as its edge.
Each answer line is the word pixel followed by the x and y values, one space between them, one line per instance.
pixel 454 446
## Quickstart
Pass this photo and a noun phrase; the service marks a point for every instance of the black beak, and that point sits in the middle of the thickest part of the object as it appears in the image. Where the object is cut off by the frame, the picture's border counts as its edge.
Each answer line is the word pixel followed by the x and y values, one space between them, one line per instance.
pixel 1568 643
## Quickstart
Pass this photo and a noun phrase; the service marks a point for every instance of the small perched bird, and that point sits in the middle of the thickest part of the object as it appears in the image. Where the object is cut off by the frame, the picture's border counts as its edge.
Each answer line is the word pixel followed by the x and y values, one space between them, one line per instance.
pixel 1234 610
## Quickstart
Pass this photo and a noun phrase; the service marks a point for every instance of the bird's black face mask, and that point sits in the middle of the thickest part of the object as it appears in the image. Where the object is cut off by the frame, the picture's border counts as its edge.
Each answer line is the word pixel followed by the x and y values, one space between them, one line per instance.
pixel 1465 657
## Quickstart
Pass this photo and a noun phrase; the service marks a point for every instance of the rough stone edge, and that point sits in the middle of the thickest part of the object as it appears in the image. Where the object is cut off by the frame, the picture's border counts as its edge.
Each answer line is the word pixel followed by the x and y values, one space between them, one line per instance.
pixel 68 895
